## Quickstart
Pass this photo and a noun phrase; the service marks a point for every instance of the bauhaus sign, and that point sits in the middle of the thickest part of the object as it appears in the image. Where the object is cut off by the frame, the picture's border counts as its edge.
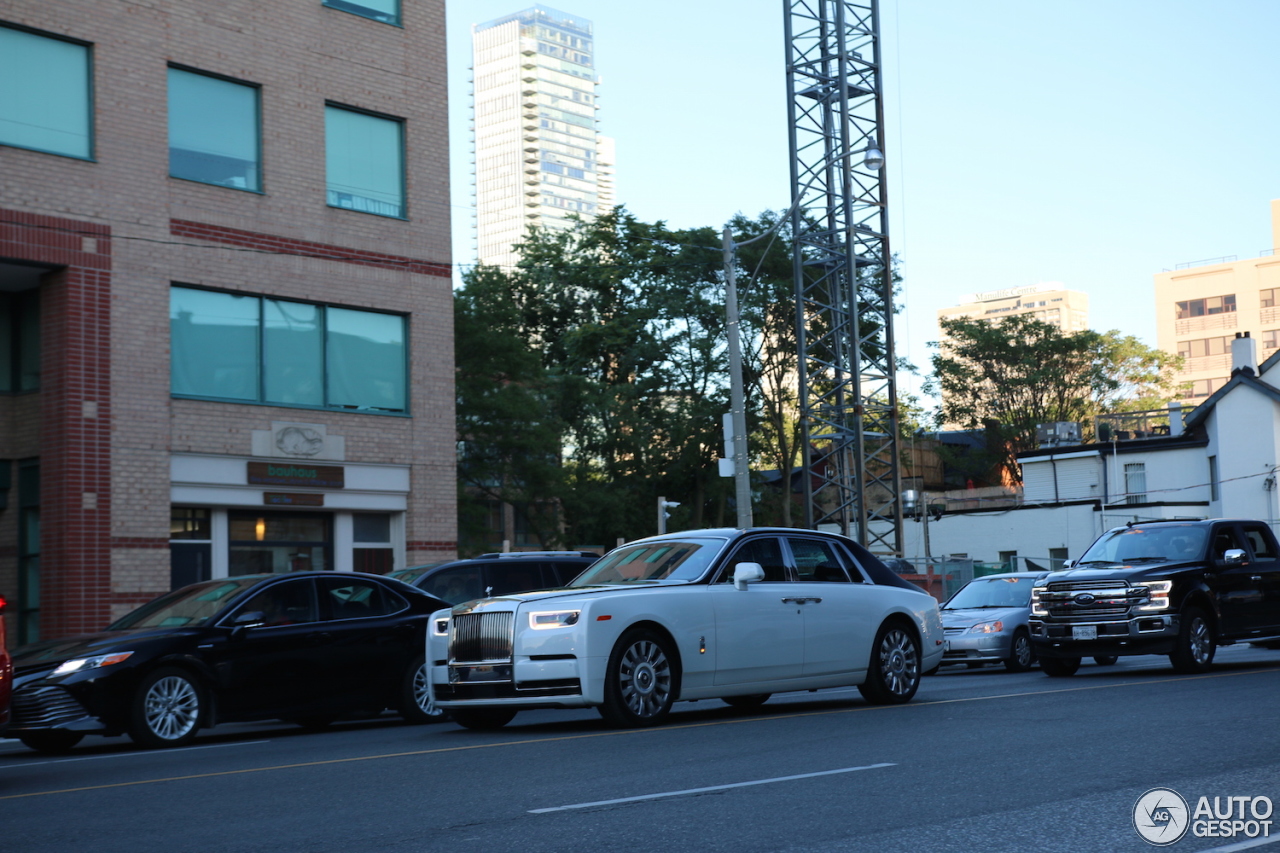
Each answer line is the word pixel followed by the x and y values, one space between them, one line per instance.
pixel 291 474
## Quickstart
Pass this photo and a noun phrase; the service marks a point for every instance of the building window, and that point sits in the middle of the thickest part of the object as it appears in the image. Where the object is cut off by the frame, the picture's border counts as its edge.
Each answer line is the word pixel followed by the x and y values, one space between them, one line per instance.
pixel 20 341
pixel 213 131
pixel 228 346
pixel 1204 346
pixel 51 109
pixel 386 11
pixel 1213 478
pixel 1135 482
pixel 371 537
pixel 273 543
pixel 1267 298
pixel 1271 339
pixel 1206 387
pixel 1208 305
pixel 364 161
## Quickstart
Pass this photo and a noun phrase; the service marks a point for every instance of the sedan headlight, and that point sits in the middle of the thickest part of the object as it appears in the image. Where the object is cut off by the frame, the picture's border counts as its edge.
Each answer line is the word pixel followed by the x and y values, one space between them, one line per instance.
pixel 95 662
pixel 1037 607
pixel 1157 595
pixel 987 627
pixel 553 619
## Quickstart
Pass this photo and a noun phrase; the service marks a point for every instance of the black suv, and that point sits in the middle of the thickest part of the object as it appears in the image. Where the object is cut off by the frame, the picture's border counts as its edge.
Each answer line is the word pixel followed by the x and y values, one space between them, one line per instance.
pixel 491 575
pixel 1180 588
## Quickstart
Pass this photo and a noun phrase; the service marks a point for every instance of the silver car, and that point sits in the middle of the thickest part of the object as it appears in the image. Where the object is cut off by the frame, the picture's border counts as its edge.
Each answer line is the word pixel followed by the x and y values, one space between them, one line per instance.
pixel 986 621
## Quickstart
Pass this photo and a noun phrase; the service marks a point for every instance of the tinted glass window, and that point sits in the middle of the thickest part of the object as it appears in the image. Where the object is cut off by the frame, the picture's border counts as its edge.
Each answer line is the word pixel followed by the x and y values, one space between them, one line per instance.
pixel 767 551
pixel 508 576
pixel 364 159
pixel 286 603
pixel 214 341
pixel 366 360
pixel 293 348
pixel 670 559
pixel 456 585
pixel 817 561
pixel 213 130
pixel 44 102
pixel 1258 541
pixel 387 11
pixel 191 605
pixel 356 598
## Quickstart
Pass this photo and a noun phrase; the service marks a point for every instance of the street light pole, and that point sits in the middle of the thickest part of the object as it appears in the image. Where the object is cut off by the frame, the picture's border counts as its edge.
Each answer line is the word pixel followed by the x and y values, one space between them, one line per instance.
pixel 737 401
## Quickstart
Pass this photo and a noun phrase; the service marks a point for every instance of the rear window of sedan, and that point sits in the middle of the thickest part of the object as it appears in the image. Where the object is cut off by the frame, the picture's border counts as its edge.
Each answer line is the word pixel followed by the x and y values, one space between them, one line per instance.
pixel 648 562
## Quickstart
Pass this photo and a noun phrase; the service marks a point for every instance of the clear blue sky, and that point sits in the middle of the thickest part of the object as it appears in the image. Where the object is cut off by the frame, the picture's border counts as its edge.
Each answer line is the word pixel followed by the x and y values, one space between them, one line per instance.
pixel 1092 143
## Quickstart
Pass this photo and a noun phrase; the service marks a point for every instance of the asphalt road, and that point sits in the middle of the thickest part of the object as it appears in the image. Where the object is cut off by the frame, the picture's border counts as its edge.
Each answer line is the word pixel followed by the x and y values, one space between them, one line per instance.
pixel 980 760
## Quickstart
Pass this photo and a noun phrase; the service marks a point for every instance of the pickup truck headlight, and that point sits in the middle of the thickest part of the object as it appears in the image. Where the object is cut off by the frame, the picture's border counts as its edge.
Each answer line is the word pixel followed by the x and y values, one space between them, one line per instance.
pixel 539 620
pixel 81 664
pixel 1037 608
pixel 987 628
pixel 1157 595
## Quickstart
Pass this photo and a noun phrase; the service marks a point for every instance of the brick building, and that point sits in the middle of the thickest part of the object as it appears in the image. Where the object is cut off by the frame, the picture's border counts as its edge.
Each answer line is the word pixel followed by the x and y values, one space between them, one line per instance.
pixel 225 302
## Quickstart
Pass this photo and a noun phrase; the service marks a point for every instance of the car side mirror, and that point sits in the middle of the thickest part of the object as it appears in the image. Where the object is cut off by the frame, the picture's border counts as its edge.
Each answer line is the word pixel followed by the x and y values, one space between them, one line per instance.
pixel 745 573
pixel 1233 557
pixel 246 620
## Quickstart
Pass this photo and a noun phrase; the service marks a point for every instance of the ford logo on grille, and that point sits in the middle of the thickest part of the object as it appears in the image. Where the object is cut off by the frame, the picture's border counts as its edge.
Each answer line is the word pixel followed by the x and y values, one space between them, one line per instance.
pixel 1084 599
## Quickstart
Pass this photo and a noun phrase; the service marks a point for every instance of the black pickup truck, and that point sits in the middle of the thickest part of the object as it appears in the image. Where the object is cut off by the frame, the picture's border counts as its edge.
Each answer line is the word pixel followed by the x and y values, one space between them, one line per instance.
pixel 1176 588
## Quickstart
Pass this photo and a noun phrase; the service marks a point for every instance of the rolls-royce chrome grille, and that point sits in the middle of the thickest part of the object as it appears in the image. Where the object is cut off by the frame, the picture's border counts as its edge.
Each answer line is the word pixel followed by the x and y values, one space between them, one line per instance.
pixel 481 638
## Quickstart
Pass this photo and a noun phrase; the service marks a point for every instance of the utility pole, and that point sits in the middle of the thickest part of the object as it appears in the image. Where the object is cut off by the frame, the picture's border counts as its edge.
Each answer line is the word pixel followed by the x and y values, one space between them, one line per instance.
pixel 737 398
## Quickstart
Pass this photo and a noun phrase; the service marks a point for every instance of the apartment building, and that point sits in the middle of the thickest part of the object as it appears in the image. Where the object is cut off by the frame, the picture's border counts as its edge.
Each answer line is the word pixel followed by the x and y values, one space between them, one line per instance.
pixel 225 297
pixel 1201 306
pixel 538 157
pixel 1048 302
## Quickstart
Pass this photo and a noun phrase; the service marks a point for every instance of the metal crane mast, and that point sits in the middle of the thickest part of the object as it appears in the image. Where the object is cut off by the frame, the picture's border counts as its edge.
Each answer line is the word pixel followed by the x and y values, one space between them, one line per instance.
pixel 844 281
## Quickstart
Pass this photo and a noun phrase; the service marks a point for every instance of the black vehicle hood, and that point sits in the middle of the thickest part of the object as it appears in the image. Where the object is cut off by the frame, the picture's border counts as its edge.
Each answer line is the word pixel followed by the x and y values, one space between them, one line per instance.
pixel 1125 571
pixel 47 653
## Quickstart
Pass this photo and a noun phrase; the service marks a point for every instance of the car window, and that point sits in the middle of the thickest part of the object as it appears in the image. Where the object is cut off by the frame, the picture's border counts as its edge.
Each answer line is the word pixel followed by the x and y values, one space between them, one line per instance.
pixel 191 605
pixel 765 550
pixel 286 603
pixel 565 572
pixel 357 598
pixel 456 585
pixel 1259 543
pixel 508 576
pixel 1223 541
pixel 817 561
pixel 650 562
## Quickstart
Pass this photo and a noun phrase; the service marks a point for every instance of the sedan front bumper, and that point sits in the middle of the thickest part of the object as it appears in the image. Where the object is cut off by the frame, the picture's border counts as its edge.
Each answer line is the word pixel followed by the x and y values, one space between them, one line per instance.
pixel 977 648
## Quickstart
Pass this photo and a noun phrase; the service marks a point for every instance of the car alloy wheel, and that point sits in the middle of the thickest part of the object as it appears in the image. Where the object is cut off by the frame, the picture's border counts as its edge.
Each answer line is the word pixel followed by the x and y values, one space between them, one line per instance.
pixel 1022 655
pixel 641 680
pixel 417 705
pixel 166 710
pixel 1194 649
pixel 894 673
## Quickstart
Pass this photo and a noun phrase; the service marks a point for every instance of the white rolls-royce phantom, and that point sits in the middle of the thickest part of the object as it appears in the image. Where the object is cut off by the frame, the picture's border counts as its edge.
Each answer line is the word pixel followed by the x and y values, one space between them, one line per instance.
pixel 730 614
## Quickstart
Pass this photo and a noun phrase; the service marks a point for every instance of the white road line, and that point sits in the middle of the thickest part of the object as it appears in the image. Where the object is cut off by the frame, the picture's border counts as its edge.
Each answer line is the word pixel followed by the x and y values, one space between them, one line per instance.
pixel 130 754
pixel 1243 845
pixel 712 788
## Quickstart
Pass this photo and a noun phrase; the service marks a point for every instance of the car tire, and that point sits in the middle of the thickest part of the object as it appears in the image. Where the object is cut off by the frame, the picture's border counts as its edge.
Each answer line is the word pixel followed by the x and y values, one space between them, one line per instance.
pixel 415 702
pixel 483 719
pixel 642 679
pixel 166 709
pixel 51 742
pixel 893 673
pixel 1021 656
pixel 1059 667
pixel 1106 660
pixel 1195 646
pixel 755 700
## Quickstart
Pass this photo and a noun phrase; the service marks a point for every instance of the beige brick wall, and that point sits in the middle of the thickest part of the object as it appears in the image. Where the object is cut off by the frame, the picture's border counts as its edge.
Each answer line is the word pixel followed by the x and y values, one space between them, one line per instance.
pixel 302 54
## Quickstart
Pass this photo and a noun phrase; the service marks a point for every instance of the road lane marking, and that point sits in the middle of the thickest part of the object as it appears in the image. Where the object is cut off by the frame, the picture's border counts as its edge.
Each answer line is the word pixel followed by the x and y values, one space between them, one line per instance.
pixel 635 732
pixel 131 754
pixel 689 791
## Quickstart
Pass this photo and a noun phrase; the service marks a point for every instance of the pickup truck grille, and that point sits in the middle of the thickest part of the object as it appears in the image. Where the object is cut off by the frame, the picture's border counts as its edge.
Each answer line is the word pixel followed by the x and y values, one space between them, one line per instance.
pixel 481 638
pixel 1088 600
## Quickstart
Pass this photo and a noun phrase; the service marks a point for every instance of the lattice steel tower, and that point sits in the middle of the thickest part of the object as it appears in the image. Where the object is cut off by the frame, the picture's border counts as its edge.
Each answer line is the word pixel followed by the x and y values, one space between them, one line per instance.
pixel 844 281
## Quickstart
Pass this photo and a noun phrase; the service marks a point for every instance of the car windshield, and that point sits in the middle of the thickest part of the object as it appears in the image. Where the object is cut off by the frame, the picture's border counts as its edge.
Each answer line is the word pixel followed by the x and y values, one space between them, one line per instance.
pixel 191 605
pixel 993 592
pixel 668 559
pixel 1147 544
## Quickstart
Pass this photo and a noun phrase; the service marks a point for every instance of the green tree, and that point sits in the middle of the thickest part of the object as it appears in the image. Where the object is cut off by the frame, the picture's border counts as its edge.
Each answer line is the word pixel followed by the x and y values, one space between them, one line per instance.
pixel 1011 375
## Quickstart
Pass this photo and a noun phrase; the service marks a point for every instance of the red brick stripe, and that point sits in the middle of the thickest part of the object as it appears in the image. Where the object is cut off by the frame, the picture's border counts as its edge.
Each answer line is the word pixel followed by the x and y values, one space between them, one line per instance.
pixel 303 248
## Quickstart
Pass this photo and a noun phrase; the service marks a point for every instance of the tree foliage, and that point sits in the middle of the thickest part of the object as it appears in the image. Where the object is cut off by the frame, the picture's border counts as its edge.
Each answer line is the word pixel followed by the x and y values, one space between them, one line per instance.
pixel 1011 375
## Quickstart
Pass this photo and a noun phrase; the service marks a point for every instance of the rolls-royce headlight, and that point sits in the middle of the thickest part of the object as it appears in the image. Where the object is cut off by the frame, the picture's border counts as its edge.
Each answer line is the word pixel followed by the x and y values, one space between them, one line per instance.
pixel 94 662
pixel 553 619
pixel 442 626
pixel 987 628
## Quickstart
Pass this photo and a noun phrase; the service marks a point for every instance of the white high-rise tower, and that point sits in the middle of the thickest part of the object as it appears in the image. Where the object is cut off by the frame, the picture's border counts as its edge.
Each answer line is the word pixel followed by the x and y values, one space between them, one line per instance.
pixel 537 152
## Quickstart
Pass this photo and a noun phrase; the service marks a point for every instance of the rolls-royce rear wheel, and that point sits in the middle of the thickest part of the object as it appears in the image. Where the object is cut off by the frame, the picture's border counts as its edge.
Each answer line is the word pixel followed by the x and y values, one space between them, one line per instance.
pixel 893 674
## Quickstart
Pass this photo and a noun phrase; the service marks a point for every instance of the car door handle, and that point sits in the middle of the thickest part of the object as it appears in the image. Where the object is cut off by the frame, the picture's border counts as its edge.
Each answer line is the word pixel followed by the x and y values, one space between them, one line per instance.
pixel 1255 578
pixel 801 600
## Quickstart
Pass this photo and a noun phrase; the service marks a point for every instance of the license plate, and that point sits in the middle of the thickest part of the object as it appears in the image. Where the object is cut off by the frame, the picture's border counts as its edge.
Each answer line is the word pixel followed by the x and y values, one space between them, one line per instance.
pixel 1084 632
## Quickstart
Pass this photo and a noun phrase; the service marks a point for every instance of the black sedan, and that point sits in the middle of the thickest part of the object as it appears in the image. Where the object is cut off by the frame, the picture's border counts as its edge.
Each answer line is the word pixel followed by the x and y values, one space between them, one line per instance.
pixel 306 647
